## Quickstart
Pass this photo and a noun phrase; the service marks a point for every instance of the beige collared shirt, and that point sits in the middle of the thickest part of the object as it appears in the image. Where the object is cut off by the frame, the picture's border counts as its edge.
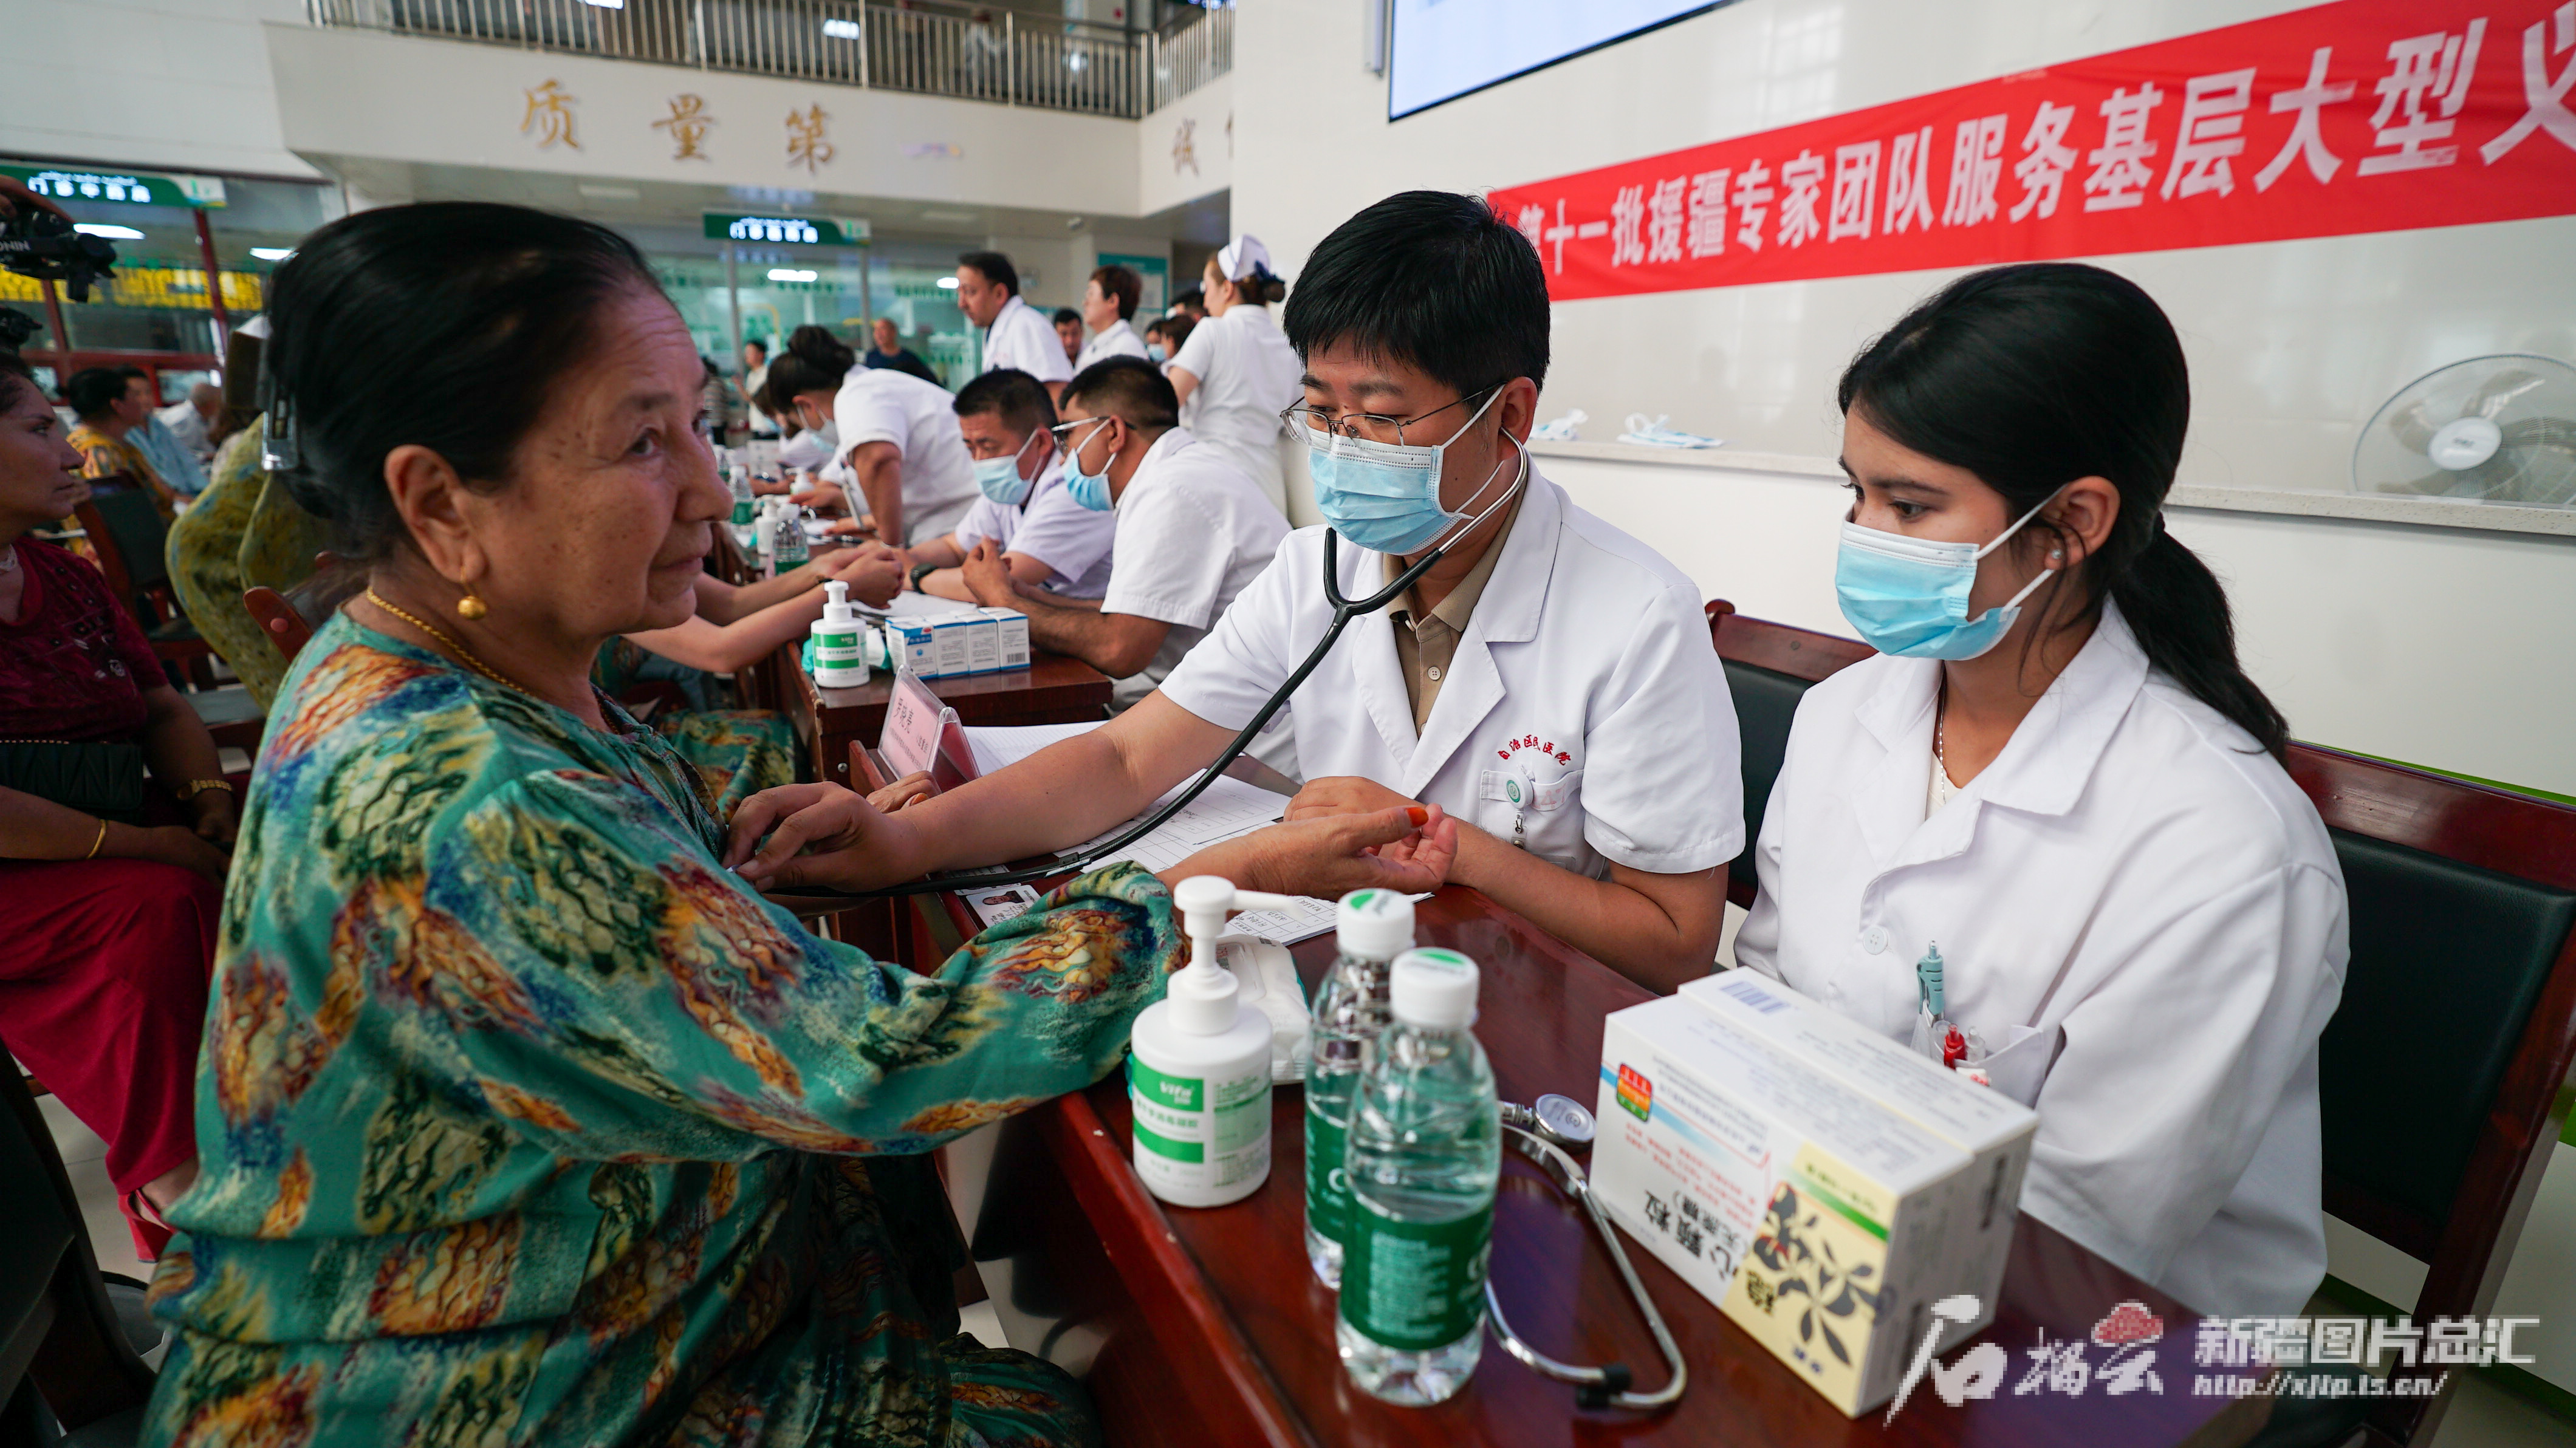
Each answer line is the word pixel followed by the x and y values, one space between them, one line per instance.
pixel 1425 647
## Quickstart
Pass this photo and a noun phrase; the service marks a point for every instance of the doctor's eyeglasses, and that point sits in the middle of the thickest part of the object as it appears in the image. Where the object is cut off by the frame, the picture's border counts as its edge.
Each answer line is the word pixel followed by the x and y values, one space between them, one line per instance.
pixel 1302 420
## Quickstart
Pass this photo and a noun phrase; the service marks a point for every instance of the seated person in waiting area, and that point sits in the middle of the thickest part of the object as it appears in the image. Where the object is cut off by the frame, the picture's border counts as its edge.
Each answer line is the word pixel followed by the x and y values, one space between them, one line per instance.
pixel 521 1120
pixel 2058 774
pixel 1549 682
pixel 1192 532
pixel 1043 537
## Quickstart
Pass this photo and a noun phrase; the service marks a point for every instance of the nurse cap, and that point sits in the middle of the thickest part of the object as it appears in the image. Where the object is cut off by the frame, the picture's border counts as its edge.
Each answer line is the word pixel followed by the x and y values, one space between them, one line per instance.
pixel 1245 257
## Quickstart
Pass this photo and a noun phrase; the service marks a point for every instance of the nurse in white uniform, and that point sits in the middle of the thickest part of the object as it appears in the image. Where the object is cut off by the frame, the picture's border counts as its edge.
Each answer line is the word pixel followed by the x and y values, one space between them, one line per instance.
pixel 2058 774
pixel 1236 373
pixel 1549 684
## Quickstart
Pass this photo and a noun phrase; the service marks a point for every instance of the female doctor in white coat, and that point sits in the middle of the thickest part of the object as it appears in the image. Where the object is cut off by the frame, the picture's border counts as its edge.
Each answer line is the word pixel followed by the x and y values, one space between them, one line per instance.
pixel 2058 774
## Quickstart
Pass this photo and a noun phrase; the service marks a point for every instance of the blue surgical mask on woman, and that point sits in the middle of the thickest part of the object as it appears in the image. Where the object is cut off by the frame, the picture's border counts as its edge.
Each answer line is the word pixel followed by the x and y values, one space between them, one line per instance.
pixel 1385 496
pixel 1000 477
pixel 1909 596
pixel 1155 352
pixel 1091 490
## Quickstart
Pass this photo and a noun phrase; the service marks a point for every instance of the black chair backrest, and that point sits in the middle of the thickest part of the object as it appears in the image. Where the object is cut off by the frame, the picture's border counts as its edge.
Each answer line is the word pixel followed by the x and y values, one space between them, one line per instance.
pixel 2448 960
pixel 1768 668
pixel 138 534
pixel 58 1329
pixel 1766 704
pixel 2440 1070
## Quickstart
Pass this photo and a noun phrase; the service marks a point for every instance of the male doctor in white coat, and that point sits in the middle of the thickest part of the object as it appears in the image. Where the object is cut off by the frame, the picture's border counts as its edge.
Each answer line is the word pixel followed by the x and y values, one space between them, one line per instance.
pixel 1548 683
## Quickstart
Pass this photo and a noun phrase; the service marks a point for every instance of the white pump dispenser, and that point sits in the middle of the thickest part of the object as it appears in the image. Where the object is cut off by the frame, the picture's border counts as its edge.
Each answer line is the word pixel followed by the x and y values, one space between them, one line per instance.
pixel 839 660
pixel 1199 1079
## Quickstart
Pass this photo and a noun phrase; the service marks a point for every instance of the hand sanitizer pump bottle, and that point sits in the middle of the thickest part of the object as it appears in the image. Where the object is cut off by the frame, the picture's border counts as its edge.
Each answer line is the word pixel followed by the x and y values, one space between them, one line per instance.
pixel 839 661
pixel 1199 1076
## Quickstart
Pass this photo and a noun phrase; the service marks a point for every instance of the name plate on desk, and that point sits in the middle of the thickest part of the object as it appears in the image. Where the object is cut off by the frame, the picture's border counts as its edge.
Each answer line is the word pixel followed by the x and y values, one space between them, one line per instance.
pixel 921 733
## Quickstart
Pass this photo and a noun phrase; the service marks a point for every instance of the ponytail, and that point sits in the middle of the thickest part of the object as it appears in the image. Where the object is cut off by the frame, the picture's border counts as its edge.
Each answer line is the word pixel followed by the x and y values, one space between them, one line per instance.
pixel 815 361
pixel 2179 613
pixel 2031 376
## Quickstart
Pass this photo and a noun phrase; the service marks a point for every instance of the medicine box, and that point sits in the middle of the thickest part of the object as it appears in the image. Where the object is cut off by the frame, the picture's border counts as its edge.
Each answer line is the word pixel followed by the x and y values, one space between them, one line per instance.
pixel 1993 1129
pixel 1011 630
pixel 960 639
pixel 1821 1220
pixel 912 647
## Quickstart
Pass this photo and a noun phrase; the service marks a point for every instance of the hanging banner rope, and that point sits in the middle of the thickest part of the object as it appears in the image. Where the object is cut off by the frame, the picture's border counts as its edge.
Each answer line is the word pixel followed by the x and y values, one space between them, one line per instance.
pixel 2357 116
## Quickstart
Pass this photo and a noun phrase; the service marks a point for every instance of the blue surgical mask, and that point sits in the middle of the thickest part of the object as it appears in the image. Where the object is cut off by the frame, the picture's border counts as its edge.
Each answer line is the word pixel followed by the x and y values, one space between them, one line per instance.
pixel 1000 478
pixel 1385 496
pixel 1909 596
pixel 1091 490
pixel 1154 352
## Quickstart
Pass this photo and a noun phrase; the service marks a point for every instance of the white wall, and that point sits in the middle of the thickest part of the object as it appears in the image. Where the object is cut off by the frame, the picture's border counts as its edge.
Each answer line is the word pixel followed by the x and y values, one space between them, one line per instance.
pixel 167 85
pixel 367 94
pixel 2440 646
pixel 2292 344
pixel 1186 150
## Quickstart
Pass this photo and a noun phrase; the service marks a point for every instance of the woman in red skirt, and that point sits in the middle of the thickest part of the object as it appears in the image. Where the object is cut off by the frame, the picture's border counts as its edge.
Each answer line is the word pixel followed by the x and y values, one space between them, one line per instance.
pixel 109 882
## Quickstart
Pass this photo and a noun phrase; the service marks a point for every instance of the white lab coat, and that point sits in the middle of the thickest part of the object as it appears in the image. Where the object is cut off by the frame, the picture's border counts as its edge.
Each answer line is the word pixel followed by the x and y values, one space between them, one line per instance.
pixel 1115 340
pixel 2137 910
pixel 1021 337
pixel 1584 685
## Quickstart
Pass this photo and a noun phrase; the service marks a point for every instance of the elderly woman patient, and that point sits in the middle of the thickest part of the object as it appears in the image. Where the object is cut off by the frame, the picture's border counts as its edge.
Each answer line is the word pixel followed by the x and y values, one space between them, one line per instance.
pixel 522 1119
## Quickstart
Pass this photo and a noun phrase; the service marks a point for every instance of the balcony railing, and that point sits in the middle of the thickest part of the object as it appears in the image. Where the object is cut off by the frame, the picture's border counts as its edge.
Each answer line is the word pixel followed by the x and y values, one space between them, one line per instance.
pixel 934 49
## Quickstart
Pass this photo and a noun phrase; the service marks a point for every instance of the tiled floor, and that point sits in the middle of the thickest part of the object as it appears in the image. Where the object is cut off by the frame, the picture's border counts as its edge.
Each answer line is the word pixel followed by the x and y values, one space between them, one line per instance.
pixel 85 1156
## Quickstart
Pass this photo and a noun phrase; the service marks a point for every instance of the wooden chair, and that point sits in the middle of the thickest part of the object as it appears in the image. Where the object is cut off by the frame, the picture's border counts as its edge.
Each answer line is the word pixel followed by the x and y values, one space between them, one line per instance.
pixel 126 532
pixel 128 535
pixel 2440 1070
pixel 1768 668
pixel 278 619
pixel 62 1338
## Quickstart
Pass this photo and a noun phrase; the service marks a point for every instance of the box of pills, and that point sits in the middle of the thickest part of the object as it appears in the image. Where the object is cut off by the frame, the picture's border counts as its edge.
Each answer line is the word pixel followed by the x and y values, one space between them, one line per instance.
pixel 1993 1129
pixel 911 646
pixel 960 640
pixel 1820 1220
pixel 1012 632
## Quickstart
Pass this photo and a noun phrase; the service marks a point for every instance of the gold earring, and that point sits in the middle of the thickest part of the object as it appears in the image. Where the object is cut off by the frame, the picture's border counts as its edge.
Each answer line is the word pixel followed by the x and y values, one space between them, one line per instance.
pixel 470 607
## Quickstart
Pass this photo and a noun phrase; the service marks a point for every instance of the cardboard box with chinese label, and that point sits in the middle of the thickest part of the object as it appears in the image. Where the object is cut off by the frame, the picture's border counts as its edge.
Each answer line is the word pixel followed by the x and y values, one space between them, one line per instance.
pixel 1755 1151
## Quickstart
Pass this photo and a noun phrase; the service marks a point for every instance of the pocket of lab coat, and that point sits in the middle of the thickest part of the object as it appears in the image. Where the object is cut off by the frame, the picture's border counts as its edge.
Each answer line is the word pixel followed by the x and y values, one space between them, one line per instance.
pixel 2021 1067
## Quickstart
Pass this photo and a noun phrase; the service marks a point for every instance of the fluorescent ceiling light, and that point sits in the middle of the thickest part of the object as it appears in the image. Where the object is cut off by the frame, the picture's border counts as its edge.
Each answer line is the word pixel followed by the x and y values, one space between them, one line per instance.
pixel 112 233
pixel 841 29
pixel 948 283
pixel 608 193
pixel 606 4
pixel 791 274
pixel 272 253
pixel 935 214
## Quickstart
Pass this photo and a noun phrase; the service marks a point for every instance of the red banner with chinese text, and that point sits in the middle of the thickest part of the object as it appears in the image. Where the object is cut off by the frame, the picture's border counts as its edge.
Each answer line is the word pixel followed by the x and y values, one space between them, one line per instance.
pixel 2355 116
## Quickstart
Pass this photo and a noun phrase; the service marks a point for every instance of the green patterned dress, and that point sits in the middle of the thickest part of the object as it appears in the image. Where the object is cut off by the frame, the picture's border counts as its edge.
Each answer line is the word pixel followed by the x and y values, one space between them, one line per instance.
pixel 523 1121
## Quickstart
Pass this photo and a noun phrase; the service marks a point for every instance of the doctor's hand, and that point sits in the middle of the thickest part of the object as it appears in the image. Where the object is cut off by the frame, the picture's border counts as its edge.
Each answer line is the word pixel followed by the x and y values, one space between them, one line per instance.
pixel 912 789
pixel 988 576
pixel 817 834
pixel 1343 794
pixel 1407 848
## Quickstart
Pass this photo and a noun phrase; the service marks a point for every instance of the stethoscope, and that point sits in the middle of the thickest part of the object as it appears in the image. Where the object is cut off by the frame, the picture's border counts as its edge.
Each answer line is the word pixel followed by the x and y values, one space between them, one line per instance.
pixel 1543 1134
pixel 1344 610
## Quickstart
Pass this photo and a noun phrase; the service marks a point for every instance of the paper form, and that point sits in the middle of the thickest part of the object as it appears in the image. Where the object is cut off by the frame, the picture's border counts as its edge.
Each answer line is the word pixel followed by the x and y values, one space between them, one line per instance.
pixel 997 747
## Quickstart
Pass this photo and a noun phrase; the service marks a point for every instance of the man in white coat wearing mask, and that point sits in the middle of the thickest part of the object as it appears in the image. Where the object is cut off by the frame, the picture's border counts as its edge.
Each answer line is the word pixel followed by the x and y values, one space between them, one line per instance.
pixel 1546 681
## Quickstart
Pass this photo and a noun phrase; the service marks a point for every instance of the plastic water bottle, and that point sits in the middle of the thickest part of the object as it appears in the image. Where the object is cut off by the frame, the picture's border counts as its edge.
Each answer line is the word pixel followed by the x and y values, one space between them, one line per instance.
pixel 1424 1154
pixel 792 549
pixel 1350 1010
pixel 738 482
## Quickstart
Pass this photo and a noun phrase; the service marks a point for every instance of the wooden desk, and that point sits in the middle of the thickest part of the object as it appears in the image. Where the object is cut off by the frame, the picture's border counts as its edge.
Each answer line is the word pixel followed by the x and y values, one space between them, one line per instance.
pixel 1053 689
pixel 1206 1327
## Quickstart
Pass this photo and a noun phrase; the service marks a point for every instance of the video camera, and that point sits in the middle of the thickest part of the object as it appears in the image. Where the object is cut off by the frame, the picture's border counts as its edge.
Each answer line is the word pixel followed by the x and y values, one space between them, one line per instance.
pixel 37 243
